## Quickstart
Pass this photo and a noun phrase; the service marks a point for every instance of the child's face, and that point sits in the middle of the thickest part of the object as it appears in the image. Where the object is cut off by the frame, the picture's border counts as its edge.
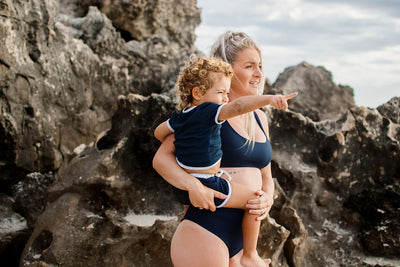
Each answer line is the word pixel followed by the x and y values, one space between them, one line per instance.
pixel 219 91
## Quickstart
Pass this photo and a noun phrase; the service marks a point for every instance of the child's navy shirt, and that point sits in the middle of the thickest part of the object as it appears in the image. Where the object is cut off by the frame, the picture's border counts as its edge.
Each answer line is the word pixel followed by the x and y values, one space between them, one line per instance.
pixel 197 136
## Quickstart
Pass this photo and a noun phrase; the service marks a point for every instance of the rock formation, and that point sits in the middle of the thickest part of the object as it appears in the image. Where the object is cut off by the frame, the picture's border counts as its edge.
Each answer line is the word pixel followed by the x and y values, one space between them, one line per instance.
pixel 313 102
pixel 83 85
pixel 62 73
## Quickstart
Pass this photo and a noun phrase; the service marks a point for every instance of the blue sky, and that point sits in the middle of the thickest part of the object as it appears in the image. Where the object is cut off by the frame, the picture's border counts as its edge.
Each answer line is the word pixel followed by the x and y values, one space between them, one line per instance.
pixel 358 41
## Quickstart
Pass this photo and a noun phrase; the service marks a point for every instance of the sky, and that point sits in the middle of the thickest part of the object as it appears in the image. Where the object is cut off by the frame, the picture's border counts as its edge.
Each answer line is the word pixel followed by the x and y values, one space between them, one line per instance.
pixel 358 41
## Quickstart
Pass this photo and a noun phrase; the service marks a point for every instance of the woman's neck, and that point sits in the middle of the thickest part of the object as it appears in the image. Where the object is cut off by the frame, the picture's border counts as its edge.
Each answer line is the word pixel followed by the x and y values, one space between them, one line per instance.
pixel 233 95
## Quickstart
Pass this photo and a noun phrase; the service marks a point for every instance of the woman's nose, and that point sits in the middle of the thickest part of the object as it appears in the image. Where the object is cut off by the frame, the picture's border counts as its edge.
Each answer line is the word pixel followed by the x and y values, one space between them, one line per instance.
pixel 258 72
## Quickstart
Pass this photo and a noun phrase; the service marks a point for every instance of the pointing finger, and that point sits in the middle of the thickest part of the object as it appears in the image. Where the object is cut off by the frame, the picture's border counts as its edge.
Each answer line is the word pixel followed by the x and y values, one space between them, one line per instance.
pixel 290 95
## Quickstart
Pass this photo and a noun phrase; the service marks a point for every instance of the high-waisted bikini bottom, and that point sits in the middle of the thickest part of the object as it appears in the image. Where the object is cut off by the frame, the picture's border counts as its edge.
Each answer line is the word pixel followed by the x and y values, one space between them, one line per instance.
pixel 225 223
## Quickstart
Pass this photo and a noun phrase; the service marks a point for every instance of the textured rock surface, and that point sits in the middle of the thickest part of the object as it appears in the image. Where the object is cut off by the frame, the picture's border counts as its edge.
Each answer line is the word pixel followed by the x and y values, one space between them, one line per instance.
pixel 319 97
pixel 61 73
pixel 68 233
pixel 14 232
pixel 341 176
pixel 83 85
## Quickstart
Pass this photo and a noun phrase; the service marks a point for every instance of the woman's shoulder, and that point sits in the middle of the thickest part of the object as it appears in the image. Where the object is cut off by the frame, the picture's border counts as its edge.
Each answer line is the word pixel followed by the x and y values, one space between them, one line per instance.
pixel 261 114
pixel 263 118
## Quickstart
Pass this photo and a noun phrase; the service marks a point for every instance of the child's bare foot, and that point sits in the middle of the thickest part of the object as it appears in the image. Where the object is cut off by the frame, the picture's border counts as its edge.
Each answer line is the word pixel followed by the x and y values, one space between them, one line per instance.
pixel 254 261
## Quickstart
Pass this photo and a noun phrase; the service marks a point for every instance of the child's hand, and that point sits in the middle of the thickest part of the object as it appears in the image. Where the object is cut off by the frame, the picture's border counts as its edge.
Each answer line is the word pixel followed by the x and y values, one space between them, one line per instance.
pixel 280 101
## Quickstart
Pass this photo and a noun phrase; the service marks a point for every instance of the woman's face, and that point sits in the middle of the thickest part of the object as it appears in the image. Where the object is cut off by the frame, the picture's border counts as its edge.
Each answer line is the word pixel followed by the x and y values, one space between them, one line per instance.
pixel 247 73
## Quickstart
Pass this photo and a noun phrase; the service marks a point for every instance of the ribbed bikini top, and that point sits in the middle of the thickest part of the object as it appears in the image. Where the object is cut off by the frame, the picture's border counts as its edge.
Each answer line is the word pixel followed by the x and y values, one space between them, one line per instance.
pixel 236 153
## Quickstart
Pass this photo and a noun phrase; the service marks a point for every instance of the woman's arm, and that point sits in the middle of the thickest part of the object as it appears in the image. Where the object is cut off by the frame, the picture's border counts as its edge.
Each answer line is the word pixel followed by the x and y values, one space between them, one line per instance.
pixel 162 131
pixel 165 164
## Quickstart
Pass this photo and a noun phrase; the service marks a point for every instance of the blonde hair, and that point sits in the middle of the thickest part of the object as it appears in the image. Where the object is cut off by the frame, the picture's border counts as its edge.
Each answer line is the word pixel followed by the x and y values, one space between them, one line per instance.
pixel 227 47
pixel 196 73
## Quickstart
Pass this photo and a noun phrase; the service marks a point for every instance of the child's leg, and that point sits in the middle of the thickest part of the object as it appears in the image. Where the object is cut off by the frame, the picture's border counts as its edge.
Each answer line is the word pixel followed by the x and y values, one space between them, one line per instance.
pixel 251 227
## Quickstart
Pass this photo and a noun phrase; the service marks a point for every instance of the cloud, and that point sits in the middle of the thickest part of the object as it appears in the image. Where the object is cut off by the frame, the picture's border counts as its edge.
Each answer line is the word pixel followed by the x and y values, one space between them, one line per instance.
pixel 358 41
pixel 381 7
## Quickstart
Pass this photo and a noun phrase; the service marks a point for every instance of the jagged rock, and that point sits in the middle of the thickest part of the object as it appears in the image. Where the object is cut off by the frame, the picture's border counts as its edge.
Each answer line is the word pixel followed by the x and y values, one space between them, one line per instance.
pixel 70 233
pixel 114 178
pixel 137 113
pixel 373 179
pixel 157 43
pixel 391 110
pixel 319 97
pixel 336 174
pixel 14 232
pixel 271 242
pixel 61 74
pixel 31 195
pixel 285 238
pixel 140 20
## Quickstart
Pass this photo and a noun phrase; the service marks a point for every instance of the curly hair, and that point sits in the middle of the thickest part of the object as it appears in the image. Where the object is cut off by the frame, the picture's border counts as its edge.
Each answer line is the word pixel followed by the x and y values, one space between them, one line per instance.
pixel 196 73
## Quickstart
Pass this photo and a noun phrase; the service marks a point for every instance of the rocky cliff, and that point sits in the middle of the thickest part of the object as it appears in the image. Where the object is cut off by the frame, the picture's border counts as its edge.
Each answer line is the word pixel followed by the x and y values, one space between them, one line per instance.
pixel 82 86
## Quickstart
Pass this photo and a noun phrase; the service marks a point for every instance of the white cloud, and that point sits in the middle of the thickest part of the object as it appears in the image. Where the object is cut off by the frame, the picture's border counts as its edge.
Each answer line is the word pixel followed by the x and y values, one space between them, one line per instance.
pixel 357 41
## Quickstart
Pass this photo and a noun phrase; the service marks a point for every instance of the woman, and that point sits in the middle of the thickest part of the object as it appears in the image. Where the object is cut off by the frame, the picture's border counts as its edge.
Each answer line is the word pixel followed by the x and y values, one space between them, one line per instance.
pixel 195 245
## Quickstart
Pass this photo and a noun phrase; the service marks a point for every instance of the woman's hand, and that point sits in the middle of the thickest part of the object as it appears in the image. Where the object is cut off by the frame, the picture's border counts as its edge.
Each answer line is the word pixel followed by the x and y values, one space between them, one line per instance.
pixel 260 205
pixel 280 101
pixel 202 197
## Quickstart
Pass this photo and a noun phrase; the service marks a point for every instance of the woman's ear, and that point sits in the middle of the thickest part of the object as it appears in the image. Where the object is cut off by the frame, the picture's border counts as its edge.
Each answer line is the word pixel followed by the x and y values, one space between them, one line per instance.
pixel 196 93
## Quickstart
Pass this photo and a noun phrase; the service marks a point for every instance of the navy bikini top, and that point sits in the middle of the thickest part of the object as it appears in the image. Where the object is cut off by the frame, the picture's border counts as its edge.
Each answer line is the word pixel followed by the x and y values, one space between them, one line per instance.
pixel 236 153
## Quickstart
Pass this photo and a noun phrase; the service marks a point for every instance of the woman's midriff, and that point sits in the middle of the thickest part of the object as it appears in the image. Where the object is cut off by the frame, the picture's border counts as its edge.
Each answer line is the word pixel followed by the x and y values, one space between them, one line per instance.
pixel 246 175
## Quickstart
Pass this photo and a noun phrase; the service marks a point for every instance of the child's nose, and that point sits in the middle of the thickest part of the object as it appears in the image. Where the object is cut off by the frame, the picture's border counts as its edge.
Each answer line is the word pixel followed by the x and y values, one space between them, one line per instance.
pixel 226 99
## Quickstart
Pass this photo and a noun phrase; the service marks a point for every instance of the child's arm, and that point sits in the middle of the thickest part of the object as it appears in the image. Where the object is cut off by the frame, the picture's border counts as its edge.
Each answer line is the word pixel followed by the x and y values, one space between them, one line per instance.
pixel 162 131
pixel 246 104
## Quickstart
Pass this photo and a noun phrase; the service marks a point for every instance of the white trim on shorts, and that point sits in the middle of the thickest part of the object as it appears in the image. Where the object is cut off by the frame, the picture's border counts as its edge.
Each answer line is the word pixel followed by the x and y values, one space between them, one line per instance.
pixel 197 168
pixel 228 197
pixel 219 173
